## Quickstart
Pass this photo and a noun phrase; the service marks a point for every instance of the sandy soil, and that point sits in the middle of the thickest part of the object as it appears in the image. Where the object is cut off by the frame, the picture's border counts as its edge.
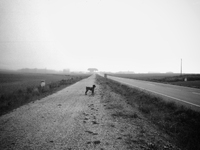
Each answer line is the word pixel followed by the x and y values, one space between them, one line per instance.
pixel 71 120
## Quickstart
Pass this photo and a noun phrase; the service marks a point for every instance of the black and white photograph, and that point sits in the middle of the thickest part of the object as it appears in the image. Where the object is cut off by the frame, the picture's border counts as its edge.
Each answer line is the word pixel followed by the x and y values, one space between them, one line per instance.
pixel 99 74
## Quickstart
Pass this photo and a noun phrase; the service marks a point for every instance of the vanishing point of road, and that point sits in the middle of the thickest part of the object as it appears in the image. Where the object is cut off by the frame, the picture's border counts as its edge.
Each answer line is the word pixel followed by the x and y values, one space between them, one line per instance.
pixel 183 95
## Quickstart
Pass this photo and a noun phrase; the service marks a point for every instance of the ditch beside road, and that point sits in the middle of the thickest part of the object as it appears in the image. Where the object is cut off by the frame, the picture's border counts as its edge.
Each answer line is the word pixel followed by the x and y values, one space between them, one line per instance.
pixel 71 120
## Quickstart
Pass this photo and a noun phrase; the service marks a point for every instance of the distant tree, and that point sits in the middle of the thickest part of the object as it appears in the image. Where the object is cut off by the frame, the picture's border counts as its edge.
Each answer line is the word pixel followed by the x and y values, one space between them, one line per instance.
pixel 92 70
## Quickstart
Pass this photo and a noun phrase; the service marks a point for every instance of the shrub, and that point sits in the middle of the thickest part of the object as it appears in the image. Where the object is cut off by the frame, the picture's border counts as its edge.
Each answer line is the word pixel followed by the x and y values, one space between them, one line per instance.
pixel 29 89
pixel 36 91
pixel 46 88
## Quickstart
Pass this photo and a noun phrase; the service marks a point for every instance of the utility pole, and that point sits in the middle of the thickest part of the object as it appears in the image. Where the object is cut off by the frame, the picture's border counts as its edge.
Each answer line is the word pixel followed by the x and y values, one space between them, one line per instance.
pixel 181 66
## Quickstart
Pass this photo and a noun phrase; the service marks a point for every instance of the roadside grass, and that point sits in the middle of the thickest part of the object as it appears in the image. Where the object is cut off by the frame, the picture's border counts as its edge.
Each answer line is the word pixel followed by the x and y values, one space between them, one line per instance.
pixel 124 115
pixel 181 123
pixel 114 106
pixel 190 77
pixel 21 96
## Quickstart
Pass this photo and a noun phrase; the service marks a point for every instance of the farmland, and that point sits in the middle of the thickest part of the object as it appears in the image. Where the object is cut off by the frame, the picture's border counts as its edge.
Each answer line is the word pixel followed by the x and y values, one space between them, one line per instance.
pixel 17 89
pixel 193 80
pixel 10 82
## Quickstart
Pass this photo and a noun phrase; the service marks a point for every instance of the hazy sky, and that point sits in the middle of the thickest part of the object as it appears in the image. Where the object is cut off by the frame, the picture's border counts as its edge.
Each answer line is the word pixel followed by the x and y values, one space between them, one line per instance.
pixel 111 35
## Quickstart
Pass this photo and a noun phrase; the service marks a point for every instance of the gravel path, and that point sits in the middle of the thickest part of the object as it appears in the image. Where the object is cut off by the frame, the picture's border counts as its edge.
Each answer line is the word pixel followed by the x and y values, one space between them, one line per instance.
pixel 67 119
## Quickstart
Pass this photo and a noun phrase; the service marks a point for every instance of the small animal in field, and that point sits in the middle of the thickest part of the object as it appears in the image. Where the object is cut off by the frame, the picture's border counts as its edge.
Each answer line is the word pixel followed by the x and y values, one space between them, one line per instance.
pixel 90 89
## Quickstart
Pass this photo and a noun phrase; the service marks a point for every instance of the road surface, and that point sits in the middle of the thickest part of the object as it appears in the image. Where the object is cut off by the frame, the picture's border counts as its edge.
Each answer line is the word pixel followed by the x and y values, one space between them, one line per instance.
pixel 184 95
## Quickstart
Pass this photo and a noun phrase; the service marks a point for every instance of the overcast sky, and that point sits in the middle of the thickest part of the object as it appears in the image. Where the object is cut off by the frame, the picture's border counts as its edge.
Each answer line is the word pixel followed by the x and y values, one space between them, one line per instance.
pixel 110 35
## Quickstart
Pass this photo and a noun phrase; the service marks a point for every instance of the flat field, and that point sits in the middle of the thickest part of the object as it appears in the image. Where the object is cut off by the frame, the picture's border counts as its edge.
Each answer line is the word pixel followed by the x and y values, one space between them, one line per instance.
pixel 10 82
pixel 17 89
pixel 193 80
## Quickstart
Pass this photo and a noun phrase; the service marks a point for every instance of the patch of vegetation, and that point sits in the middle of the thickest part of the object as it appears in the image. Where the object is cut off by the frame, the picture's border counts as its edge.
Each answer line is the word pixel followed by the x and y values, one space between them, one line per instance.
pixel 190 77
pixel 114 106
pixel 179 122
pixel 125 115
pixel 21 96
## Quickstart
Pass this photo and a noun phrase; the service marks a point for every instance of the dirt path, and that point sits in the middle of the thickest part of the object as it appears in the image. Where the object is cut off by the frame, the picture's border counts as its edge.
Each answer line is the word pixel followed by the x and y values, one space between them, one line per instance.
pixel 70 120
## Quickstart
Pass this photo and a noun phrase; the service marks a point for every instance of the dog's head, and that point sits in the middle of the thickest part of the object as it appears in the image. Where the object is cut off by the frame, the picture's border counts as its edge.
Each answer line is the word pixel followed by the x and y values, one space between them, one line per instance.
pixel 94 86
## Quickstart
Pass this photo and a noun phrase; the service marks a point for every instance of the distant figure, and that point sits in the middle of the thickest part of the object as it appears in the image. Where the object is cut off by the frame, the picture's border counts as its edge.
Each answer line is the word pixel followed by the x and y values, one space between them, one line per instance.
pixel 90 89
pixel 42 84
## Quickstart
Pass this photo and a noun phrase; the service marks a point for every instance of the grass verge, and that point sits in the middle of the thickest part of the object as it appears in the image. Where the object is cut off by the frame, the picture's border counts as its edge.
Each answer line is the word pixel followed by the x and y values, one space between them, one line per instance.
pixel 181 123
pixel 15 99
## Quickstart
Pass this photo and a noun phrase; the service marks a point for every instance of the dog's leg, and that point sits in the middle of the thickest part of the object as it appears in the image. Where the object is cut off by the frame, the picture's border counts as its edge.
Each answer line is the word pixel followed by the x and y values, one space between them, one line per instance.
pixel 86 91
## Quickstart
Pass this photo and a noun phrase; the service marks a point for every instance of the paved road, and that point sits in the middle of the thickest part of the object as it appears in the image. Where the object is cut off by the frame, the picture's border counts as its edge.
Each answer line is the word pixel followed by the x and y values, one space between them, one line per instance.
pixel 184 95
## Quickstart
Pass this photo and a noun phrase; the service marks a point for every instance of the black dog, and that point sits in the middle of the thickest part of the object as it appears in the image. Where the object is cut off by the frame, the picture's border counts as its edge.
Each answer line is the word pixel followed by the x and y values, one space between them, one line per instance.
pixel 90 89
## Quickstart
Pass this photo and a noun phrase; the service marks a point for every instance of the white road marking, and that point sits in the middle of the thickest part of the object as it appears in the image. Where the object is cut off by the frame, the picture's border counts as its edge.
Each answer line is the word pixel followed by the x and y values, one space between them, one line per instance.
pixel 196 93
pixel 163 94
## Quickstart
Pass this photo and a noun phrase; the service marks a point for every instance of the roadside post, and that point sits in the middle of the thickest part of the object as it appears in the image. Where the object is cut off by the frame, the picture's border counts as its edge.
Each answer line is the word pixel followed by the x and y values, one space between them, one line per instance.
pixel 105 75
